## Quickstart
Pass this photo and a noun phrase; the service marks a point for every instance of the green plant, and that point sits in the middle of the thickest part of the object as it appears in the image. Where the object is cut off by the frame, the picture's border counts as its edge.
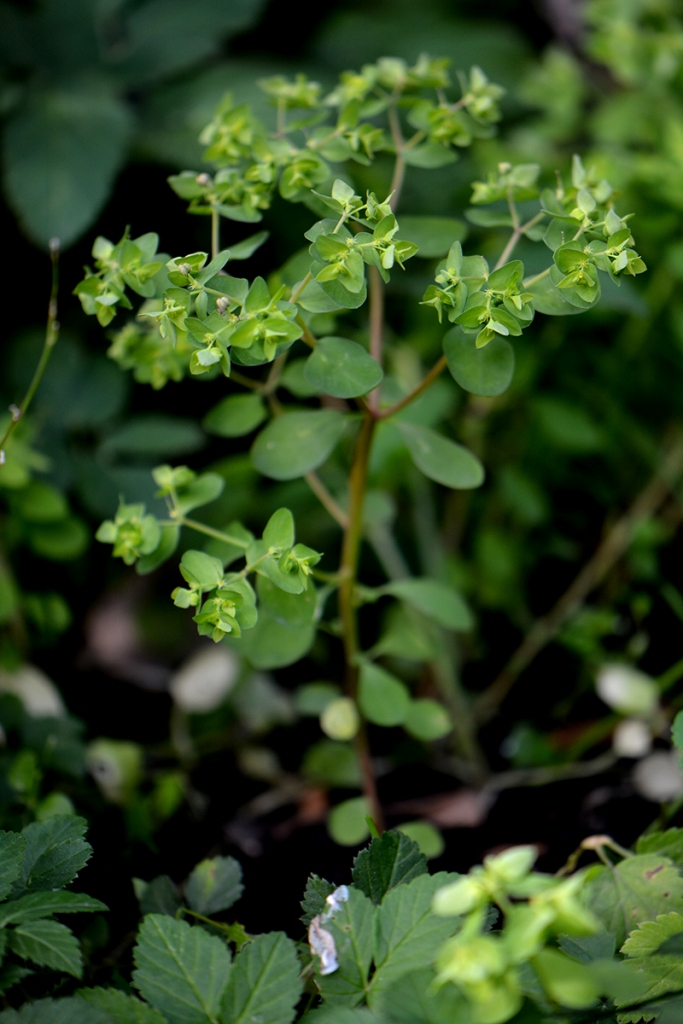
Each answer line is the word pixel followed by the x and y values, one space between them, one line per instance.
pixel 197 318
pixel 396 945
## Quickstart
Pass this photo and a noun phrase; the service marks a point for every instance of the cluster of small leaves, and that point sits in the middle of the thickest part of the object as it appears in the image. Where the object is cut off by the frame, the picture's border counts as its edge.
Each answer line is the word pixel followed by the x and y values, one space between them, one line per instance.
pixel 578 223
pixel 253 162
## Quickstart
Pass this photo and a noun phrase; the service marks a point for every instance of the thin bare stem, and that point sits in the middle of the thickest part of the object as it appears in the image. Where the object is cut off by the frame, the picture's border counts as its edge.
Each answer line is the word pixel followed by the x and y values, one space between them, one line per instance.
pixel 348 571
pixel 400 165
pixel 435 372
pixel 192 524
pixel 325 498
pixel 537 277
pixel 309 338
pixel 215 233
pixel 51 336
pixel 612 547
pixel 274 374
pixel 376 327
pixel 300 287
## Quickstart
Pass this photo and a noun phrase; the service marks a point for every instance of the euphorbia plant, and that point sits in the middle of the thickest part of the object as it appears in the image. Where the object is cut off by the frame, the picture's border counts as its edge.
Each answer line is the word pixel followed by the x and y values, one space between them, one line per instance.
pixel 197 318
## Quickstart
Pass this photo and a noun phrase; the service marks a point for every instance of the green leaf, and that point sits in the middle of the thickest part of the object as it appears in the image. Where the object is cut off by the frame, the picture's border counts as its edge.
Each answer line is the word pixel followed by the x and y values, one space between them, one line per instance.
pixel 214 885
pixel 295 610
pixel 279 530
pixel 433 235
pixel 351 928
pixel 429 155
pixel 347 822
pixel 547 298
pixel 48 944
pixel 201 491
pixel 391 860
pixel 180 970
pixel 316 892
pixel 637 889
pixel 427 837
pixel 264 984
pixel 167 545
pixel 333 764
pixel 62 150
pixel 383 699
pixel 407 935
pixel 271 645
pixel 427 720
pixel 248 246
pixel 342 368
pixel 159 896
pixel 121 1008
pixel 55 853
pixel 235 416
pixel 72 1010
pixel 42 904
pixel 588 948
pixel 297 442
pixel 669 843
pixel 11 857
pixel 414 999
pixel 154 435
pixel 657 970
pixel 482 371
pixel 438 601
pixel 441 459
pixel 677 731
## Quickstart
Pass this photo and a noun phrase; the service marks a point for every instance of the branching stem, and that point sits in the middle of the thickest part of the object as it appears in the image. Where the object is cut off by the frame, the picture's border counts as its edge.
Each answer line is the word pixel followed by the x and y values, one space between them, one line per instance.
pixel 51 336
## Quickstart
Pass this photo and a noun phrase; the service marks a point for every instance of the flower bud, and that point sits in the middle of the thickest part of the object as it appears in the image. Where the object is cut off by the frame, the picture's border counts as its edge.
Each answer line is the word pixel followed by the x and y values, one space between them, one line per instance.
pixel 203 179
pixel 222 304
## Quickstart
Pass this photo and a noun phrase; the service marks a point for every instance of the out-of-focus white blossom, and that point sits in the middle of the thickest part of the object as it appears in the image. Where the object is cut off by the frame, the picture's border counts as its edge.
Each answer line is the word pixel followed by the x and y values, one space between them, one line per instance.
pixel 658 777
pixel 627 690
pixel 203 682
pixel 632 738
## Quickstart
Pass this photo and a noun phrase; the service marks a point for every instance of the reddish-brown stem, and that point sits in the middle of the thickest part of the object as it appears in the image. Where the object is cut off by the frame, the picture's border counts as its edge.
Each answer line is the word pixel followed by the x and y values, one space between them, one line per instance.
pixel 348 572
pixel 435 372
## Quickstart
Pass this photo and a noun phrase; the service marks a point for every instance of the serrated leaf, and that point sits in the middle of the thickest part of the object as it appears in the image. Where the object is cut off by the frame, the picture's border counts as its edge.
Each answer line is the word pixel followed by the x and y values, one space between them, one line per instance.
pixel 12 846
pixel 297 442
pixel 264 984
pixel 180 970
pixel 316 892
pixel 637 889
pixel 72 1010
pixel 389 861
pixel 159 896
pixel 441 459
pixel 669 844
pixel 407 935
pixel 48 944
pixel 661 972
pixel 351 929
pixel 121 1008
pixel 42 904
pixel 55 853
pixel 214 885
pixel 414 999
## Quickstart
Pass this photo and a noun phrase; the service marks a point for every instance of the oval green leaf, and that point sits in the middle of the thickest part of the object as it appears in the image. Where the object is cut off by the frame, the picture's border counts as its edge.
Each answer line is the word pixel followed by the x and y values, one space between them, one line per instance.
pixel 482 371
pixel 294 610
pixel 441 459
pixel 346 823
pixel 433 235
pixel 383 699
pixel 342 368
pixel 296 443
pixel 438 601
pixel 235 416
pixel 271 645
pixel 427 720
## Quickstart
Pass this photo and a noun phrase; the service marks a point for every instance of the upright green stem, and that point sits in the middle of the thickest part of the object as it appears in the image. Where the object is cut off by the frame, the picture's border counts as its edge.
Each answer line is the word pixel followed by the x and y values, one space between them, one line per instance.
pixel 348 573
pixel 400 165
pixel 51 336
pixel 215 233
pixel 376 327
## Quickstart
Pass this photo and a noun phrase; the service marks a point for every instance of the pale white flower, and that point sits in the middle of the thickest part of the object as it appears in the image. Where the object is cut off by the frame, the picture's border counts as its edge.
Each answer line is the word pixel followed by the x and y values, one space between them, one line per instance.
pixel 658 777
pixel 627 690
pixel 203 682
pixel 632 738
pixel 38 694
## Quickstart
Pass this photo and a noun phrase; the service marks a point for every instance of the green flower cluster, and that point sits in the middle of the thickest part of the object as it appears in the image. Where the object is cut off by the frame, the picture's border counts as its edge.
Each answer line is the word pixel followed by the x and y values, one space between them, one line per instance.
pixel 487 966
